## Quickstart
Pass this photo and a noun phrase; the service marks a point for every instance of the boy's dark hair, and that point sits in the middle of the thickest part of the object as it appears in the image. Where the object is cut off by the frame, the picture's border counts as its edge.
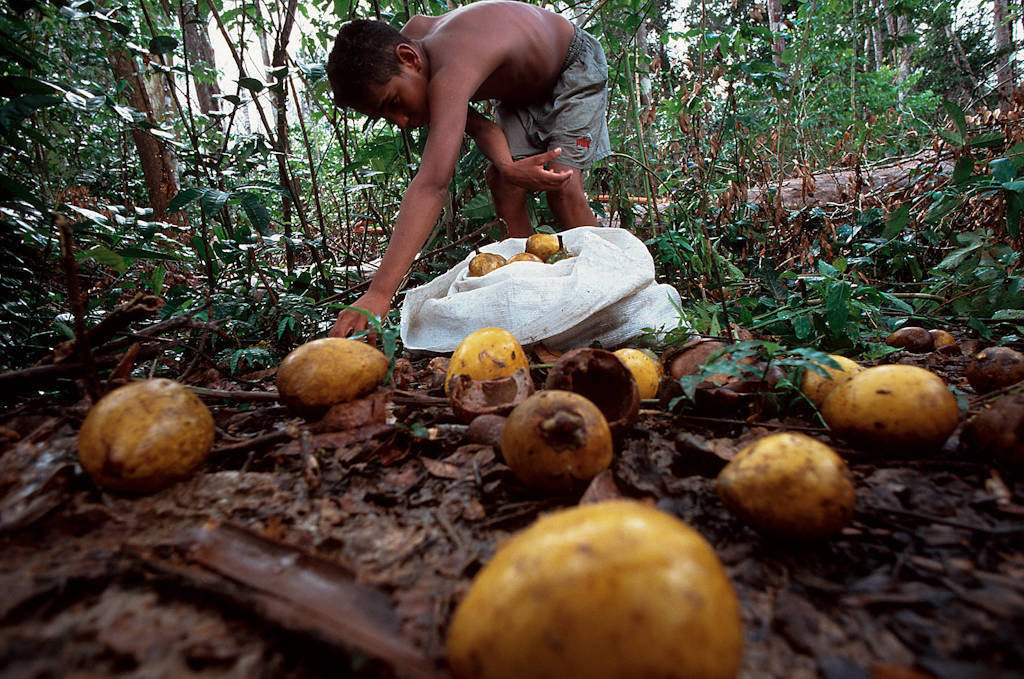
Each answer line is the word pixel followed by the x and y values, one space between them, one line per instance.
pixel 363 56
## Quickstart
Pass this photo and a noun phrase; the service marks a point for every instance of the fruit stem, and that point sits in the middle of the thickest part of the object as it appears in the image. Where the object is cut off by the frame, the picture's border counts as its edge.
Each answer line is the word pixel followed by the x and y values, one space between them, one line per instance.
pixel 564 429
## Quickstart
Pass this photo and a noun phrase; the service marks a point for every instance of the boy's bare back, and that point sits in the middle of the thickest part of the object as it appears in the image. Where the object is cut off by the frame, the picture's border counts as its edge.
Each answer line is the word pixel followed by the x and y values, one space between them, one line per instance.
pixel 514 50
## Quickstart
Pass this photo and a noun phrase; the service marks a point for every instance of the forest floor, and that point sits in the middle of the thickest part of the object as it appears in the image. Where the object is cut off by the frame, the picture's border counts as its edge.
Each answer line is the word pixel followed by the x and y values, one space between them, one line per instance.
pixel 298 552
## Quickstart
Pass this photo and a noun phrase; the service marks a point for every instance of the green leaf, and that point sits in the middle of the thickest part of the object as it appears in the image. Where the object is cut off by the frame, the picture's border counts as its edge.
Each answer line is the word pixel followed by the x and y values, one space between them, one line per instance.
pixel 106 257
pixel 896 222
pixel 1014 207
pixel 14 112
pixel 837 309
pixel 251 84
pixel 1008 315
pixel 986 139
pixel 964 168
pixel 952 137
pixel 183 198
pixel 1003 169
pixel 162 44
pixel 254 210
pixel 956 114
pixel 213 200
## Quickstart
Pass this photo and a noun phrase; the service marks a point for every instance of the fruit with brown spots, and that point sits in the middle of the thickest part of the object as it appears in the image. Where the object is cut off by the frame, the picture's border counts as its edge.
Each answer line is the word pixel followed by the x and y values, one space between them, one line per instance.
pixel 994 368
pixel 524 257
pixel 646 369
pixel 941 338
pixel 485 354
pixel 816 386
pixel 892 407
pixel 912 338
pixel 542 245
pixel 789 484
pixel 556 439
pixel 601 591
pixel 145 436
pixel 328 371
pixel 484 263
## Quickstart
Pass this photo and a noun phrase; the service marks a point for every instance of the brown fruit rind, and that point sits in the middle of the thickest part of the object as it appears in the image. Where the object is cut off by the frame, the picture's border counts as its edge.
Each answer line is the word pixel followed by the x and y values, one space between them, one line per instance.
pixel 145 436
pixel 495 396
pixel 555 439
pixel 912 338
pixel 602 378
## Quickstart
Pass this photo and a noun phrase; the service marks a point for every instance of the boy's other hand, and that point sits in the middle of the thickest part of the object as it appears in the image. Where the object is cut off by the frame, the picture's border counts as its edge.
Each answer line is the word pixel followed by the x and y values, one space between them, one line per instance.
pixel 350 321
pixel 530 173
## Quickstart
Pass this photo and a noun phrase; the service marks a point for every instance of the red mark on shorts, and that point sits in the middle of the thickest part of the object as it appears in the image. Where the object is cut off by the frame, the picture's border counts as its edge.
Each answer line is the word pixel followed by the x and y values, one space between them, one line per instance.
pixel 584 142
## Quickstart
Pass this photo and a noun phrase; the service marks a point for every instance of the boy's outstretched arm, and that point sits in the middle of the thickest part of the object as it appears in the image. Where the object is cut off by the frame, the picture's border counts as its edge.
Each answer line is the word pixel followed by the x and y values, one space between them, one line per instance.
pixel 421 204
pixel 528 173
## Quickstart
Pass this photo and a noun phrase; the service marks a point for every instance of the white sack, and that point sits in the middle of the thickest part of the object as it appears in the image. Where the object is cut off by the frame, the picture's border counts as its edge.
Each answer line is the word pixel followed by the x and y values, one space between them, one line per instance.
pixel 604 293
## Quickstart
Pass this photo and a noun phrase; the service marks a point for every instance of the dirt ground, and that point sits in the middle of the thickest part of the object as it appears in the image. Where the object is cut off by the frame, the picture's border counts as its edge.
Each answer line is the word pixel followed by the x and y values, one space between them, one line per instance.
pixel 305 551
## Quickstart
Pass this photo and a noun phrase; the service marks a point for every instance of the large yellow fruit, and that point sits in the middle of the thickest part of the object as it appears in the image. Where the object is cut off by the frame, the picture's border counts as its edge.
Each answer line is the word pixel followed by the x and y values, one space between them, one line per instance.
pixel 816 387
pixel 556 438
pixel 604 591
pixel 484 263
pixel 327 371
pixel 892 407
pixel 484 354
pixel 646 370
pixel 145 436
pixel 789 484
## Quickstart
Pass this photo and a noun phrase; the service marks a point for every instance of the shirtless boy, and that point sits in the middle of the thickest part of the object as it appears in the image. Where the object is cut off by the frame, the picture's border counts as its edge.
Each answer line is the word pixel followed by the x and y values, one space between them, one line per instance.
pixel 549 79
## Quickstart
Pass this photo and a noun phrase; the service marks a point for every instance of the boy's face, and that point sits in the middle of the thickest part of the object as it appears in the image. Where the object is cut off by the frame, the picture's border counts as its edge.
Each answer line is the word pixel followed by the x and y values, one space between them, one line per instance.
pixel 402 100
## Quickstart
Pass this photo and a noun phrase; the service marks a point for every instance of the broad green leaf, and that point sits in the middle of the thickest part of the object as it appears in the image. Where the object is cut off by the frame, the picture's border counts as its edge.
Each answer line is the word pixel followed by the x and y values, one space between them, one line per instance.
pixel 106 257
pixel 213 200
pixel 1008 315
pixel 254 210
pixel 18 109
pixel 1003 169
pixel 162 44
pixel 986 139
pixel 964 168
pixel 896 222
pixel 251 84
pixel 956 114
pixel 183 198
pixel 952 137
pixel 837 309
pixel 1014 206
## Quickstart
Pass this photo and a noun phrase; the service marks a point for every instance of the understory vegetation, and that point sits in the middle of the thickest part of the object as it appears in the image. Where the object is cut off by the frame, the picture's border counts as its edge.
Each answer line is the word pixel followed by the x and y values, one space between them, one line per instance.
pixel 759 165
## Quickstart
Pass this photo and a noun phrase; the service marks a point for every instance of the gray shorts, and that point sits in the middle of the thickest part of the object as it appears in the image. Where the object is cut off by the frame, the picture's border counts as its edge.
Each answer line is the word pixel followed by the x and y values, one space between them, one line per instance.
pixel 575 116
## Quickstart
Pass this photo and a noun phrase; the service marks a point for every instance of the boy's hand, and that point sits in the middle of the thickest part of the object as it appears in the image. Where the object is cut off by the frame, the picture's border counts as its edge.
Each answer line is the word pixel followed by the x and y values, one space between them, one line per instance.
pixel 350 320
pixel 530 173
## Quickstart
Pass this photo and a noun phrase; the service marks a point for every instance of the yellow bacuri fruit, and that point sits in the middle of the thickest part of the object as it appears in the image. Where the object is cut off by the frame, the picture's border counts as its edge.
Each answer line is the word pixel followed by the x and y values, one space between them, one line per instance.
pixel 789 484
pixel 485 354
pixel 484 263
pixel 816 387
pixel 542 245
pixel 645 369
pixel 328 371
pixel 555 439
pixel 145 436
pixel 524 257
pixel 602 591
pixel 892 407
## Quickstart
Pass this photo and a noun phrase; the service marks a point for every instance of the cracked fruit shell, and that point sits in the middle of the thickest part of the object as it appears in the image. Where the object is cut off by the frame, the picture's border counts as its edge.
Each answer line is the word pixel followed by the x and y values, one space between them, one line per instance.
pixel 789 484
pixel 892 407
pixel 328 371
pixel 601 591
pixel 485 354
pixel 145 436
pixel 555 439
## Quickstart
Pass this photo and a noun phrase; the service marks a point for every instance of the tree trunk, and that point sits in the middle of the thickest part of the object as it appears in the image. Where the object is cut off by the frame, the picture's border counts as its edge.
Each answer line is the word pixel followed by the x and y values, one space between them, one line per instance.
pixel 775 24
pixel 905 52
pixel 878 33
pixel 279 63
pixel 1004 47
pixel 200 54
pixel 643 69
pixel 157 160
